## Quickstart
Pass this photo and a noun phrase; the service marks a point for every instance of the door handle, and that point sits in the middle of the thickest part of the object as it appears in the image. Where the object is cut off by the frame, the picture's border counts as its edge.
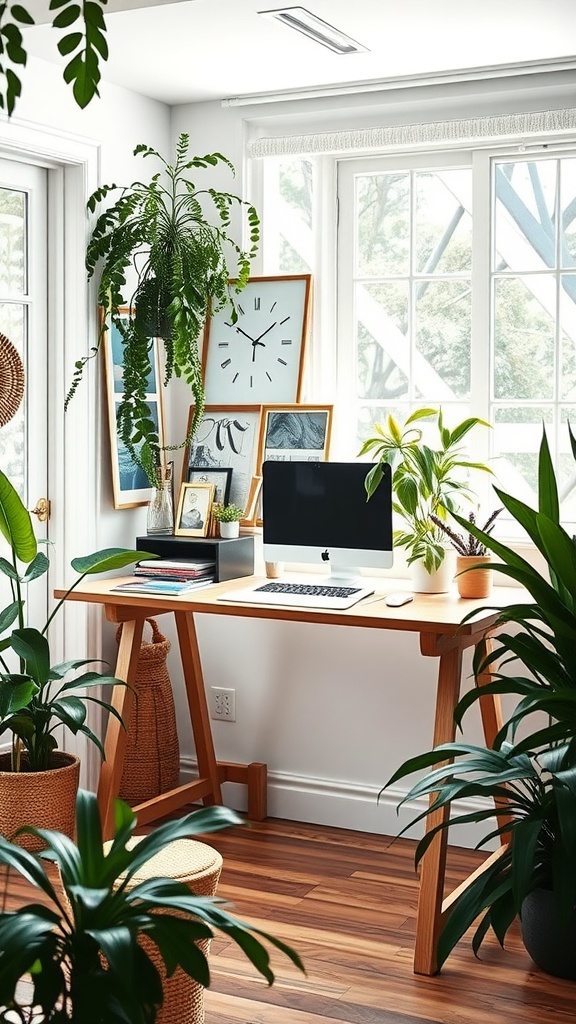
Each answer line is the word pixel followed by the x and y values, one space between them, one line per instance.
pixel 42 509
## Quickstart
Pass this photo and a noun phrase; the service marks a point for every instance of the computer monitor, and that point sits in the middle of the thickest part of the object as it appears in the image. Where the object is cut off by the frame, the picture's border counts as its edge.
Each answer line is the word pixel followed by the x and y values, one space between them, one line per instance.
pixel 318 512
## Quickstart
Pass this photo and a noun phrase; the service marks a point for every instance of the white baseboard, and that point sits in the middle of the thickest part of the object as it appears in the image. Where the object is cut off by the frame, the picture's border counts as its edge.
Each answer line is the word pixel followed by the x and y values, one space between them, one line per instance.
pixel 342 805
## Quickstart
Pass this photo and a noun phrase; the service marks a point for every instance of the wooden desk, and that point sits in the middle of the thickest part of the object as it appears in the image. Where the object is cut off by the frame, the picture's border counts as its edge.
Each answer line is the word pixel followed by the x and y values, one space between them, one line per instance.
pixel 436 617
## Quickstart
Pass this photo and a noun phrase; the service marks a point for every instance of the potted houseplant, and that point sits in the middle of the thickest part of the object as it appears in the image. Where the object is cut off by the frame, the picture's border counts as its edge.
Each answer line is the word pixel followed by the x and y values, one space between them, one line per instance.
pixel 470 551
pixel 426 481
pixel 36 697
pixel 228 518
pixel 533 778
pixel 84 951
pixel 160 231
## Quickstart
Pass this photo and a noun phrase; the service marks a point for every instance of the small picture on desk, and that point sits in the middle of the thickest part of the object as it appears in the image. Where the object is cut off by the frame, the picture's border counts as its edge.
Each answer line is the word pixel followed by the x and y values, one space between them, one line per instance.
pixel 194 508
pixel 221 478
pixel 295 433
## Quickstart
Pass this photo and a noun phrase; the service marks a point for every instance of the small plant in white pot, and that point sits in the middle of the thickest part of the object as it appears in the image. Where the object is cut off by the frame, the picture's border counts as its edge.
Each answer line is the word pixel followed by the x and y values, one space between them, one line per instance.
pixel 228 518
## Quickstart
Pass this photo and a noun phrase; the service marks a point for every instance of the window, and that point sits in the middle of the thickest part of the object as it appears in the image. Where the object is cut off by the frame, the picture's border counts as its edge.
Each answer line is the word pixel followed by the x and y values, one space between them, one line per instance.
pixel 456 286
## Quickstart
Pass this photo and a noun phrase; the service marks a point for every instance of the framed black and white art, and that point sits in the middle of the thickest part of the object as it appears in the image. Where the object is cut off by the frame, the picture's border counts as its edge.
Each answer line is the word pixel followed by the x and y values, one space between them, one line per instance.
pixel 227 438
pixel 295 433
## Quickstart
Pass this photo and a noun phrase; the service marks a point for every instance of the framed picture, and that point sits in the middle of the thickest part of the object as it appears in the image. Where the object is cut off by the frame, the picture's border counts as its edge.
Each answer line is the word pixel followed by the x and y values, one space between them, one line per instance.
pixel 194 507
pixel 129 482
pixel 260 358
pixel 227 438
pixel 221 478
pixel 295 432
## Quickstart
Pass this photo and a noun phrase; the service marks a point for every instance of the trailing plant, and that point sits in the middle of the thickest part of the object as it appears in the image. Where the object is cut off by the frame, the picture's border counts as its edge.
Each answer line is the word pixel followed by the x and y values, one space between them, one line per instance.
pixel 39 697
pixel 467 544
pixel 426 481
pixel 533 777
pixel 161 231
pixel 83 949
pixel 227 513
pixel 84 43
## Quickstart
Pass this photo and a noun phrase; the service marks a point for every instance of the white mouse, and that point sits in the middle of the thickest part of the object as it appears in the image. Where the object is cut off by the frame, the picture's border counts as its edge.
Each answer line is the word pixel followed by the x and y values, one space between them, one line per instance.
pixel 398 599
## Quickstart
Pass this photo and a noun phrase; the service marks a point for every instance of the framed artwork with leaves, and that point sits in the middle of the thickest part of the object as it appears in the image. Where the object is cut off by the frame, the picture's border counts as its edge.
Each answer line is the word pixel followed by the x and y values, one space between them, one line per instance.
pixel 227 438
pixel 130 484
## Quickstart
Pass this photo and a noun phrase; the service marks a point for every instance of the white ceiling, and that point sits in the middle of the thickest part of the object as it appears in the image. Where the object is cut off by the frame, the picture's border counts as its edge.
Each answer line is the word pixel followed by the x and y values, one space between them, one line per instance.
pixel 197 50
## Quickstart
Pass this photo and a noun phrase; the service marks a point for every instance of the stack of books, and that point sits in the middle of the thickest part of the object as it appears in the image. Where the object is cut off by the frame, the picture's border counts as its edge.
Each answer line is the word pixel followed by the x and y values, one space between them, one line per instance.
pixel 161 576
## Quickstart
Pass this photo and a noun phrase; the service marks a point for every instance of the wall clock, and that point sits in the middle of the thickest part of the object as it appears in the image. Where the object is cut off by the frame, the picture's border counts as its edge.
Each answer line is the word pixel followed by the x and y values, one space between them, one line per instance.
pixel 260 358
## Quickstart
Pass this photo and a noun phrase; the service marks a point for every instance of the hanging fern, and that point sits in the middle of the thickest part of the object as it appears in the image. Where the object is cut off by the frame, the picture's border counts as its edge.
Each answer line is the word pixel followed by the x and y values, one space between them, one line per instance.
pixel 182 261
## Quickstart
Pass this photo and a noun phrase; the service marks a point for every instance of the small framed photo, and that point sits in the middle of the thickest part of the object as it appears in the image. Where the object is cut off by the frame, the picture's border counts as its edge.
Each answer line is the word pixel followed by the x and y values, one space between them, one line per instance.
pixel 221 478
pixel 194 508
pixel 291 433
pixel 130 484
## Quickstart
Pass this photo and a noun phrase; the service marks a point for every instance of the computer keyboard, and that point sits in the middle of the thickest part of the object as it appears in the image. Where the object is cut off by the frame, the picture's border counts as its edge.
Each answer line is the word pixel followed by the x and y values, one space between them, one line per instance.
pixel 300 595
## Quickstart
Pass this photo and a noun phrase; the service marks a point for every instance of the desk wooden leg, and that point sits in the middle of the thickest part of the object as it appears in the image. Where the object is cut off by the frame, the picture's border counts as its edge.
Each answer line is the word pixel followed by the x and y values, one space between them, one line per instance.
pixel 115 740
pixel 196 695
pixel 433 863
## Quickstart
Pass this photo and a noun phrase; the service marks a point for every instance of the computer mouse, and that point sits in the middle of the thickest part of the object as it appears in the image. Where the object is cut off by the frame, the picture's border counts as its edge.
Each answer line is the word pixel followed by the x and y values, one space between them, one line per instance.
pixel 396 600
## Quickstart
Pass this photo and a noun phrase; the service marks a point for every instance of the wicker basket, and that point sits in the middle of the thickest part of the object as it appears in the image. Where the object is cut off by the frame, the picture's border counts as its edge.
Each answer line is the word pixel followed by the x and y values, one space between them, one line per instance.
pixel 42 799
pixel 152 757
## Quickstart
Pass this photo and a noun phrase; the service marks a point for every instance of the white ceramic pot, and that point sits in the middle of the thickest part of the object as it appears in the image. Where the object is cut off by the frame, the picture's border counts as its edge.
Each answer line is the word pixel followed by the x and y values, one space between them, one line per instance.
pixel 439 582
pixel 230 529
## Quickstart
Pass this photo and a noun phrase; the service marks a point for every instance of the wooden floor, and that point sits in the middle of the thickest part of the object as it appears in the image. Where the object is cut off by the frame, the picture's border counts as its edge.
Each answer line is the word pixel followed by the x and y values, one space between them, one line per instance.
pixel 347 902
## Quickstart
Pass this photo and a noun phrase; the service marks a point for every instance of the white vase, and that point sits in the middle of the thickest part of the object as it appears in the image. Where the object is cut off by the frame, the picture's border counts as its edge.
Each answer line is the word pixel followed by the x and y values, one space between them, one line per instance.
pixel 230 529
pixel 439 582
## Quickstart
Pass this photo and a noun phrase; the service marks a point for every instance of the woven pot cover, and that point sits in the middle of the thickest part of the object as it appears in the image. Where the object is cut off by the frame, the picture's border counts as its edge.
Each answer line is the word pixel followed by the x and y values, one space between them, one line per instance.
pixel 11 380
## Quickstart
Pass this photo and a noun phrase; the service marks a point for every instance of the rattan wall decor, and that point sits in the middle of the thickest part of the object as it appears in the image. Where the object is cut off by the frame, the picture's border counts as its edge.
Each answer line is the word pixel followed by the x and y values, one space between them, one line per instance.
pixel 11 380
pixel 152 757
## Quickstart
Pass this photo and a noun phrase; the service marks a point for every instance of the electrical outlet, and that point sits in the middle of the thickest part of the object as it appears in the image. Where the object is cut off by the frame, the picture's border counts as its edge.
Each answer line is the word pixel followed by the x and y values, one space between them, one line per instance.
pixel 223 704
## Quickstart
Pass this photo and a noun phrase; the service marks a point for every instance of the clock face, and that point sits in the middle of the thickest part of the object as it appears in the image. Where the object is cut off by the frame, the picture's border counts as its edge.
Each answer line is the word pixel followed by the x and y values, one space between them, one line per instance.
pixel 258 358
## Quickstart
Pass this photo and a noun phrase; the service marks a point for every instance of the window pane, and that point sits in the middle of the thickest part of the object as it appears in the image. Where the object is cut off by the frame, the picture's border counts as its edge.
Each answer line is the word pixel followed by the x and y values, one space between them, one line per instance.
pixel 516 439
pixel 383 351
pixel 382 216
pixel 443 311
pixel 295 187
pixel 568 212
pixel 443 222
pixel 524 351
pixel 13 433
pixel 525 214
pixel 568 335
pixel 12 242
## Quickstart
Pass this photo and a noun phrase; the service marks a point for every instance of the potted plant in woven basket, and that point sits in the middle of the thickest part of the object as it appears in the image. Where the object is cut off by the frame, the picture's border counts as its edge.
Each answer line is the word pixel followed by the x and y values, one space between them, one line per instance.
pixel 36 697
pixel 92 952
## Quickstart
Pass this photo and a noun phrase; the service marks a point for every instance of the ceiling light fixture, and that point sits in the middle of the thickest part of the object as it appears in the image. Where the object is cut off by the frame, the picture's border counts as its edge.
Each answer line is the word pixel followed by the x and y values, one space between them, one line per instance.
pixel 320 31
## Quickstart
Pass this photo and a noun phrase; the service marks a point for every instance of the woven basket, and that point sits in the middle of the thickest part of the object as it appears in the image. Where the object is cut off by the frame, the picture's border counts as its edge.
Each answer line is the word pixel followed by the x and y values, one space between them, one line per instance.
pixel 11 380
pixel 152 758
pixel 42 799
pixel 198 866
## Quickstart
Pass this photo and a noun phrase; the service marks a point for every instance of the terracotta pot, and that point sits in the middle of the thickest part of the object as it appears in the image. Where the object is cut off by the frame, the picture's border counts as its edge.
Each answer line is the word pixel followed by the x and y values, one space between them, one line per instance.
pixel 43 799
pixel 478 582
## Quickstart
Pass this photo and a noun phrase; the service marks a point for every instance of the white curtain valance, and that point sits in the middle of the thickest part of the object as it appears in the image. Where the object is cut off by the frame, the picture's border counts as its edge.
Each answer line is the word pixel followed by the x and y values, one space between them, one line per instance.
pixel 466 131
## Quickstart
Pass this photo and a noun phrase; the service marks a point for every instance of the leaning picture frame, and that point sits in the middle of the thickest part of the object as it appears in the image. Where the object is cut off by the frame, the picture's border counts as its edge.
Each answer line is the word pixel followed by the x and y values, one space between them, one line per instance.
pixel 227 438
pixel 130 485
pixel 221 478
pixel 194 510
pixel 291 433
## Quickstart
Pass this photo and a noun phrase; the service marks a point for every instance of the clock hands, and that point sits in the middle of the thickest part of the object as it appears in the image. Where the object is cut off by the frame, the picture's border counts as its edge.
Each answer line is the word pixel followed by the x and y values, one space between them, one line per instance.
pixel 256 341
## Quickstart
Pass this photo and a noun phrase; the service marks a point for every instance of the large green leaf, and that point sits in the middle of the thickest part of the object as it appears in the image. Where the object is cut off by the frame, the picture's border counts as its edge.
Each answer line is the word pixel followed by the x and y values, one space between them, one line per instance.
pixel 15 522
pixel 108 559
pixel 30 645
pixel 16 692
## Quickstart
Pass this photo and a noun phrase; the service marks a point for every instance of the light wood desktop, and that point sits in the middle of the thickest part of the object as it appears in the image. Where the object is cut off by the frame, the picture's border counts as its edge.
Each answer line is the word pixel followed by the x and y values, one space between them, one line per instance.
pixel 435 617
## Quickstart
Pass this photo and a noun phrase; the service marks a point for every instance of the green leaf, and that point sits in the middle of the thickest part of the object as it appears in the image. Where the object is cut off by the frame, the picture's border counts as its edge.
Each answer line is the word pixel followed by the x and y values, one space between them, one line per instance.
pixel 107 559
pixel 15 522
pixel 67 16
pixel 20 14
pixel 30 645
pixel 16 692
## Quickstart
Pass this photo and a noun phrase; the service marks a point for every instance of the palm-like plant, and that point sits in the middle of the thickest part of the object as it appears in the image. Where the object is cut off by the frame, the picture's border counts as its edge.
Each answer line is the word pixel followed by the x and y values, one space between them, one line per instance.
pixel 426 481
pixel 161 230
pixel 82 952
pixel 531 779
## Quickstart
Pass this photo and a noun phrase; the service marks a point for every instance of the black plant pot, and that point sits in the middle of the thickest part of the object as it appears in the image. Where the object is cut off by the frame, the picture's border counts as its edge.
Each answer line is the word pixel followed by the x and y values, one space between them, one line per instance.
pixel 550 943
